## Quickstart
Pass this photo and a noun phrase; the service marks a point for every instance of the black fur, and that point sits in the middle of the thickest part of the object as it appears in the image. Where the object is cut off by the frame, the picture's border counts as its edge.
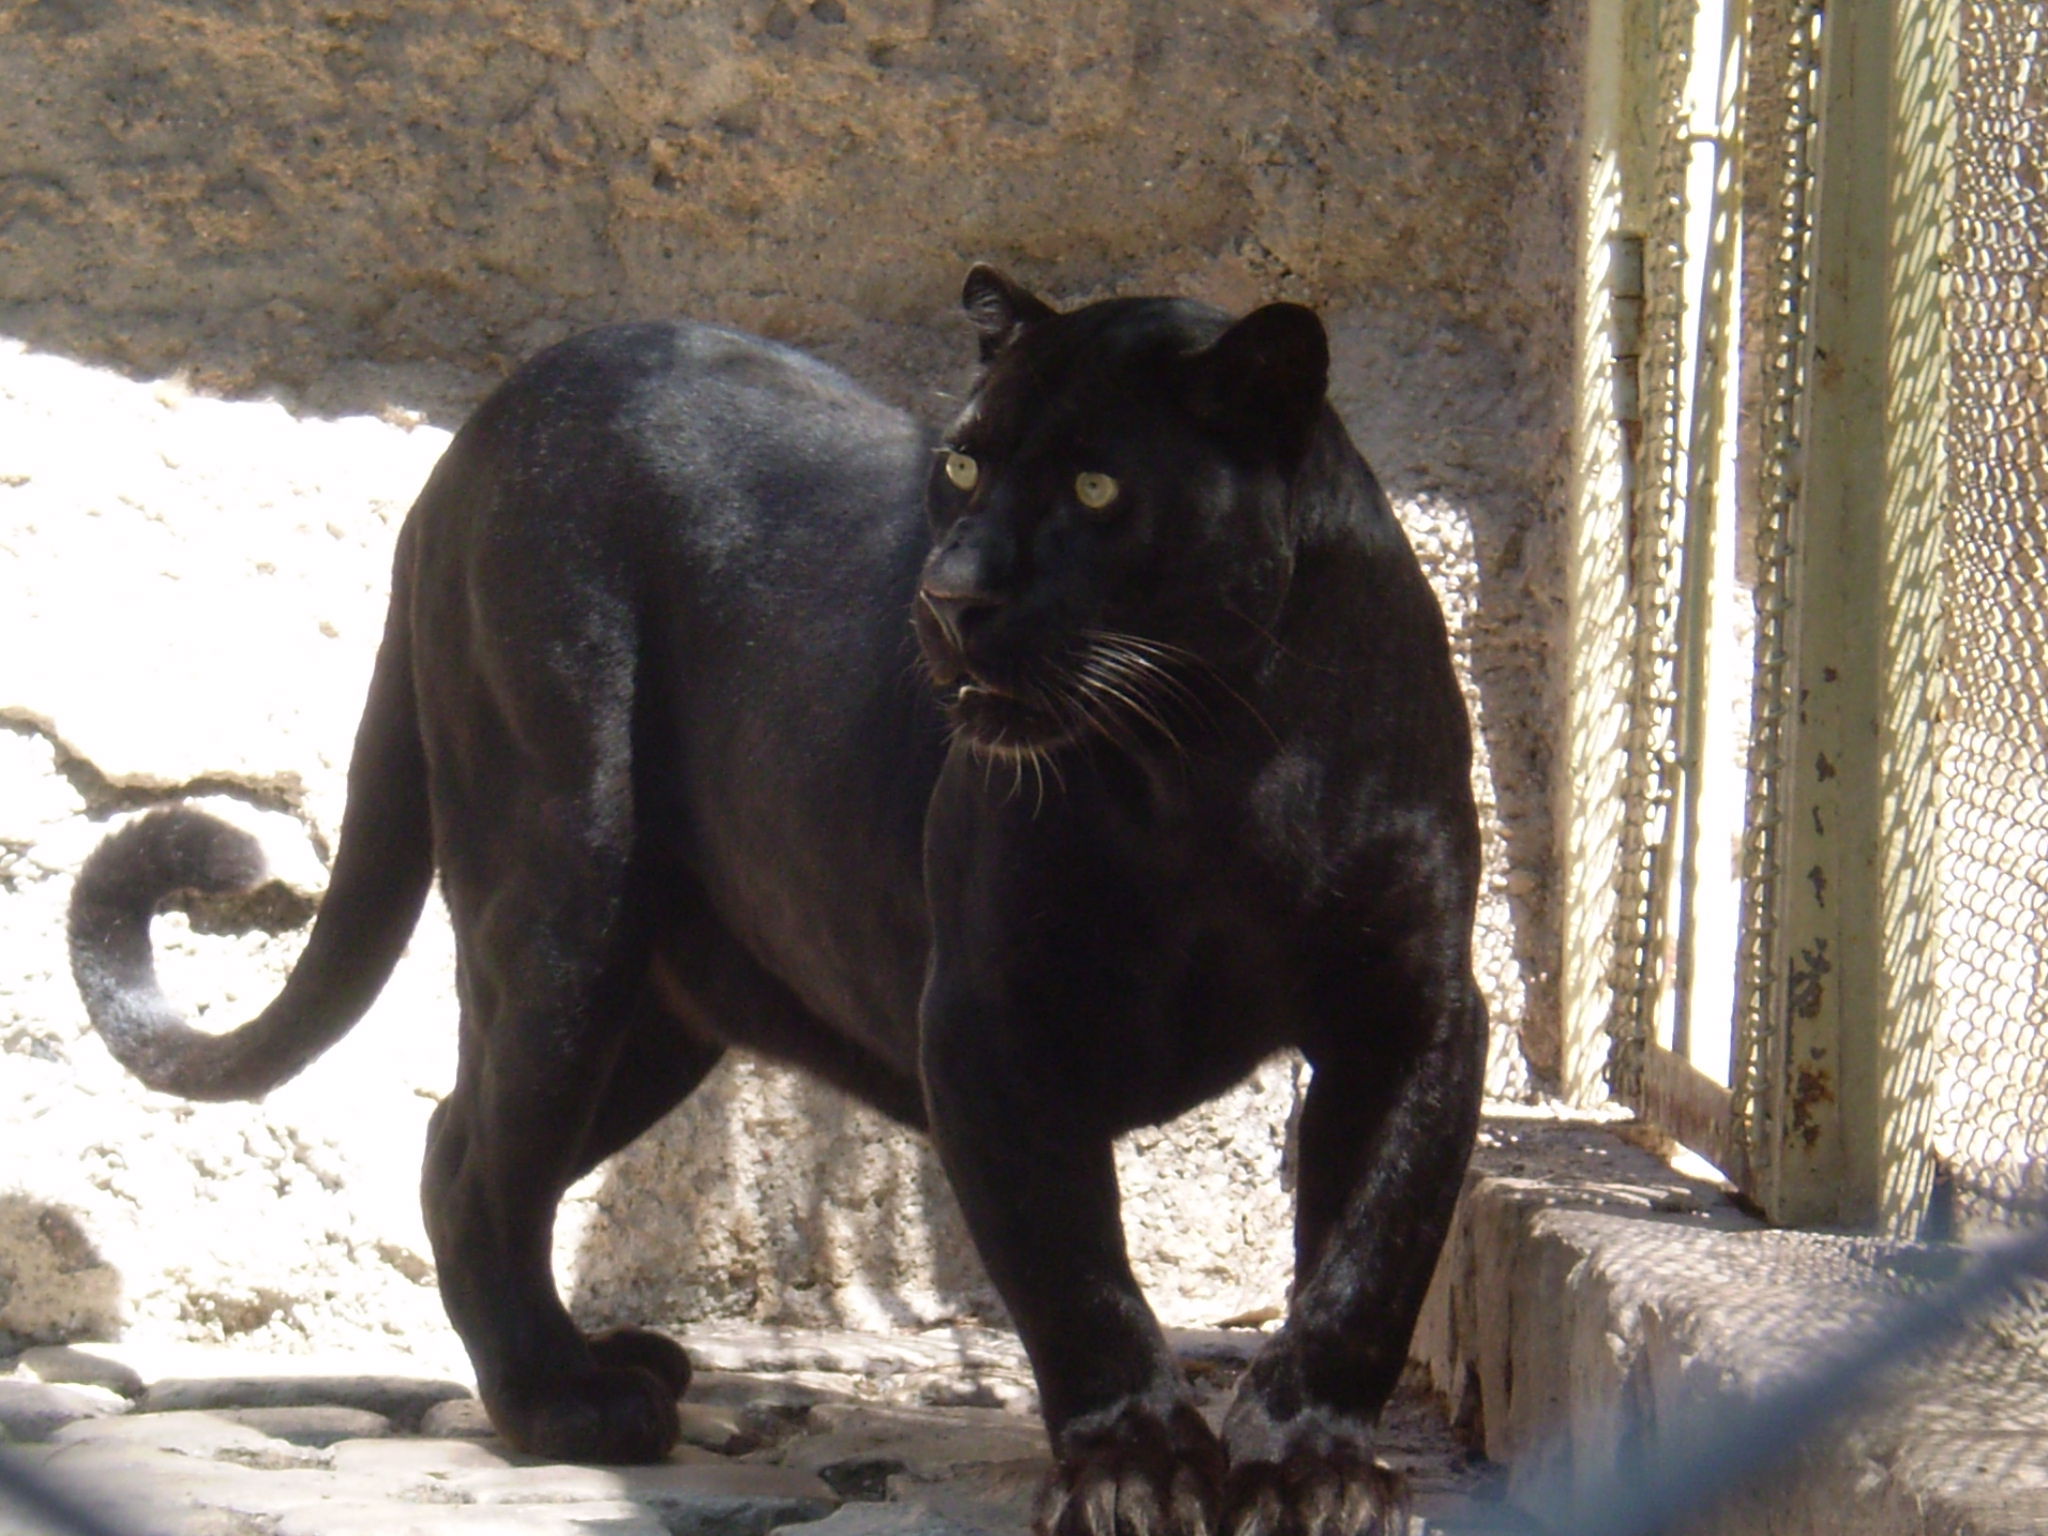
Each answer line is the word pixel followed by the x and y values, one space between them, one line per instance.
pixel 1174 776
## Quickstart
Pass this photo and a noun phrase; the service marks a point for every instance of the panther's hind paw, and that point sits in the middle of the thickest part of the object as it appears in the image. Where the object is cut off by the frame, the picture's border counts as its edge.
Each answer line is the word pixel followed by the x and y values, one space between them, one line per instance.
pixel 640 1349
pixel 615 1417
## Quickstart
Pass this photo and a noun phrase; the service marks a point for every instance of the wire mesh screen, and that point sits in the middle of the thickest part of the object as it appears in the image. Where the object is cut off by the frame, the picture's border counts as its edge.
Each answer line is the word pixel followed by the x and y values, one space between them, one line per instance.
pixel 1992 1112
pixel 1641 962
pixel 1696 575
pixel 1780 125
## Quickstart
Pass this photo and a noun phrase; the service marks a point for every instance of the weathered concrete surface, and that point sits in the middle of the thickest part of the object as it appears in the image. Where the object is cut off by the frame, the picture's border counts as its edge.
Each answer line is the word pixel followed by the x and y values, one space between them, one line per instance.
pixel 1592 1301
pixel 829 1457
pixel 312 193
pixel 368 212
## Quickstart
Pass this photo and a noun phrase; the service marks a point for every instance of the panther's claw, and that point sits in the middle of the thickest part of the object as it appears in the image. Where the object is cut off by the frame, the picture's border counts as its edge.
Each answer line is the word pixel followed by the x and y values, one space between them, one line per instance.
pixel 1337 1492
pixel 1134 1472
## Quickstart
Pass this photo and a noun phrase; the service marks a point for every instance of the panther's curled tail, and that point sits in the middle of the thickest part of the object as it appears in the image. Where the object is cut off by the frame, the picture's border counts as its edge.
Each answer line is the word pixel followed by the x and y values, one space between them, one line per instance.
pixel 382 871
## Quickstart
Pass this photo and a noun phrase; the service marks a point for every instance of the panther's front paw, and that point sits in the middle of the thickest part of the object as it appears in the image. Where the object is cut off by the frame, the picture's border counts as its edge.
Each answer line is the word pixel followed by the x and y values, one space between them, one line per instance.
pixel 1333 1491
pixel 1133 1471
pixel 609 1416
pixel 1306 1471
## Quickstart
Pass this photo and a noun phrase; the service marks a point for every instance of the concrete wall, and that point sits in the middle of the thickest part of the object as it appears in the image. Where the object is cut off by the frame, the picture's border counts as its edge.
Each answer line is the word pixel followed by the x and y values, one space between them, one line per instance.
pixel 256 260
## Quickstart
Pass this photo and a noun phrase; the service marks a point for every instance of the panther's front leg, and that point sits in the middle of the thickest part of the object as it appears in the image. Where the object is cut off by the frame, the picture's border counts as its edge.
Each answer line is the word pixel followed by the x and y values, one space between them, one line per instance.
pixel 1383 1149
pixel 1035 1174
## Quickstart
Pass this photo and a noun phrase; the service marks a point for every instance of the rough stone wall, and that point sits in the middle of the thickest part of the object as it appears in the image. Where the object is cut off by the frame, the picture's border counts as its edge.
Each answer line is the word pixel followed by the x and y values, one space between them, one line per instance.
pixel 363 214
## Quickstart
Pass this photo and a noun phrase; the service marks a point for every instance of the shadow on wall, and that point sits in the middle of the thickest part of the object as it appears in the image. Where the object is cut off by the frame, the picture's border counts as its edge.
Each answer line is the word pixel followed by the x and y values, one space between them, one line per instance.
pixel 54 1285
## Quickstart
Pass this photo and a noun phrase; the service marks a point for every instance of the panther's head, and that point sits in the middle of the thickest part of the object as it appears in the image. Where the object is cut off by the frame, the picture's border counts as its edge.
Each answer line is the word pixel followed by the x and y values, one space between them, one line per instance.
pixel 1111 514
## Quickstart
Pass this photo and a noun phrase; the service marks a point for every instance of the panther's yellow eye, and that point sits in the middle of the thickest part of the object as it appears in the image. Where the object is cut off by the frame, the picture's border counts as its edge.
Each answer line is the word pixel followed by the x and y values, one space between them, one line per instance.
pixel 1094 491
pixel 962 471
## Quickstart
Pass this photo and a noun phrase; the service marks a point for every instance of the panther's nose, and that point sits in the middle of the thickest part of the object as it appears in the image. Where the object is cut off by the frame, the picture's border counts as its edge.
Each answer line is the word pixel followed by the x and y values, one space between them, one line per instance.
pixel 957 609
pixel 958 589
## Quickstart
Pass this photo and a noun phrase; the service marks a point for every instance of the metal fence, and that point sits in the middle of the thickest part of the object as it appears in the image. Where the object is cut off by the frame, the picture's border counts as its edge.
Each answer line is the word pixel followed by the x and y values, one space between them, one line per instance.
pixel 1828 946
pixel 1991 1113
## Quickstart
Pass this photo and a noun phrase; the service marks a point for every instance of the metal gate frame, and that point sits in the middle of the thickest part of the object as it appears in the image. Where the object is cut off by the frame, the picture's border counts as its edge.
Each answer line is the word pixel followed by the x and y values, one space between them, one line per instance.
pixel 1772 389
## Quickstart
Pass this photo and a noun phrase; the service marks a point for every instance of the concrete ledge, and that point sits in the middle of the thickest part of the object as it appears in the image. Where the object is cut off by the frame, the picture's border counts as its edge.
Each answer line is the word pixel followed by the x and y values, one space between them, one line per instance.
pixel 1592 1300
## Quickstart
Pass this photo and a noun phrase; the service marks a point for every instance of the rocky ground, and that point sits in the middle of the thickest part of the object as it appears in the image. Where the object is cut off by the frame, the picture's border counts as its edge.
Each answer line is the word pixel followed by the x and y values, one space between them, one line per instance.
pixel 833 1434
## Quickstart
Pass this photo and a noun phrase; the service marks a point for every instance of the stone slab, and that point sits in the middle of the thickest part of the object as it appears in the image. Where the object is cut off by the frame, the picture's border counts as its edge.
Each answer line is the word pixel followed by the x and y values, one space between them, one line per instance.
pixel 202 1436
pixel 979 1493
pixel 371 1518
pixel 460 1418
pixel 1593 1305
pixel 409 1458
pixel 316 1425
pixel 789 1393
pixel 856 1449
pixel 718 1427
pixel 737 1347
pixel 691 1498
pixel 34 1410
pixel 69 1365
pixel 911 1519
pixel 404 1400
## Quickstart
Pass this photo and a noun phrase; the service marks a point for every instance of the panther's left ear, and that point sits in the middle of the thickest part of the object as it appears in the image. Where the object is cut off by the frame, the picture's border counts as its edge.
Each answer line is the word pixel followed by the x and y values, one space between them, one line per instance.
pixel 999 307
pixel 1263 380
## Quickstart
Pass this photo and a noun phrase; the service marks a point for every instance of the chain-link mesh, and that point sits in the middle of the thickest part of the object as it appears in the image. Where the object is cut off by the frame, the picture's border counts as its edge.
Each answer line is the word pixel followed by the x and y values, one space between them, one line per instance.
pixel 1780 127
pixel 1655 516
pixel 1992 1114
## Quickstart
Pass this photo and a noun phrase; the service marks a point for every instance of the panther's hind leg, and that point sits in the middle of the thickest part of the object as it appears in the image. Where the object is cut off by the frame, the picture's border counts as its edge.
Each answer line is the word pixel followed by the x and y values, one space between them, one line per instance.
pixel 537 839
pixel 658 1067
pixel 539 1056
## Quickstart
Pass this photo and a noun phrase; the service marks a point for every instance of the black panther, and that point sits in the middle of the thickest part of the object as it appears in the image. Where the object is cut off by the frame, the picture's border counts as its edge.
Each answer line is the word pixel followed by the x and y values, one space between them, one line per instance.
pixel 1032 781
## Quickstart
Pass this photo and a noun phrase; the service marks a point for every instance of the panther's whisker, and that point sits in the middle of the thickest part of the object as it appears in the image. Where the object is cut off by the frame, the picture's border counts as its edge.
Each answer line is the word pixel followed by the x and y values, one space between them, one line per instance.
pixel 1127 654
pixel 1160 650
pixel 1167 680
pixel 1090 719
pixel 1148 679
pixel 1130 701
pixel 1099 703
pixel 1196 662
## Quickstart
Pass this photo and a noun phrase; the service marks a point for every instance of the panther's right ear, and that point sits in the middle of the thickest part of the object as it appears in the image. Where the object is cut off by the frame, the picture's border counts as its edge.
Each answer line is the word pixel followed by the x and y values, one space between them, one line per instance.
pixel 1263 380
pixel 999 307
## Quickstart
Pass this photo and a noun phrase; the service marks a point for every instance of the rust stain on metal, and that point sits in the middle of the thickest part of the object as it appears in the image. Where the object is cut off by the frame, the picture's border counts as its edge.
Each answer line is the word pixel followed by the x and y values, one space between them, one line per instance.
pixel 1822 768
pixel 1805 991
pixel 1829 674
pixel 1819 880
pixel 1812 1086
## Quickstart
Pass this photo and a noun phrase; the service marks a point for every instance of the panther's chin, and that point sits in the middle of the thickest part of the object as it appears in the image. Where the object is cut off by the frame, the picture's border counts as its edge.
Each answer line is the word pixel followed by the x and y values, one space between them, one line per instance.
pixel 992 722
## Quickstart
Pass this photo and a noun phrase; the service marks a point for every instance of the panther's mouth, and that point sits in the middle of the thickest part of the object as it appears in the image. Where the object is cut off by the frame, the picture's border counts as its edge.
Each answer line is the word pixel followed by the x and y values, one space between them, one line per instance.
pixel 1138 695
pixel 1003 722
